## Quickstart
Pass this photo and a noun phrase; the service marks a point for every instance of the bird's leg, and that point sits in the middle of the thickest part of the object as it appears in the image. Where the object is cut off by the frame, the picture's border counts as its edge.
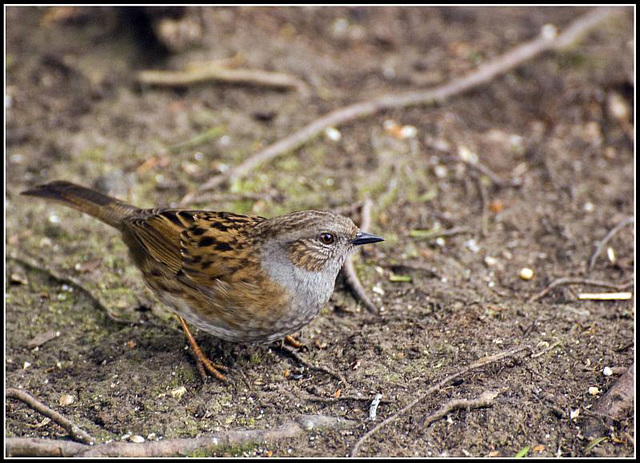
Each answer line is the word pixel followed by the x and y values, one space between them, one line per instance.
pixel 201 360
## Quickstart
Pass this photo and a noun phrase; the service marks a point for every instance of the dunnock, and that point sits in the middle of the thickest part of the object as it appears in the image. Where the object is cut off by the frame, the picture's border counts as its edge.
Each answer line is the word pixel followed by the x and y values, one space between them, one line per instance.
pixel 241 278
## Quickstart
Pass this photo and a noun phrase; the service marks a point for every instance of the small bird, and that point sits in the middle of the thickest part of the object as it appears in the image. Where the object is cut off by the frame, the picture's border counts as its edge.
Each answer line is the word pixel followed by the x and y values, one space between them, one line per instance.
pixel 241 278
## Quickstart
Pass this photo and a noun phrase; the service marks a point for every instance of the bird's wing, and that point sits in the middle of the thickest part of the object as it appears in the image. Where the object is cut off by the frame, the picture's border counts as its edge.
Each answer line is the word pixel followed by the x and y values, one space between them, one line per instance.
pixel 219 246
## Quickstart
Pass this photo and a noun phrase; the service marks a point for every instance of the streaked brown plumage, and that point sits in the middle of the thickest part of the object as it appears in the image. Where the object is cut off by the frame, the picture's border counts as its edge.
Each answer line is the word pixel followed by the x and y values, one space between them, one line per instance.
pixel 241 278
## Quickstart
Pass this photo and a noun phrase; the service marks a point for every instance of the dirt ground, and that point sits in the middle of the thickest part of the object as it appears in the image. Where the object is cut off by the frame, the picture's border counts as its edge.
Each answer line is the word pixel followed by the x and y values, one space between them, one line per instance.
pixel 87 338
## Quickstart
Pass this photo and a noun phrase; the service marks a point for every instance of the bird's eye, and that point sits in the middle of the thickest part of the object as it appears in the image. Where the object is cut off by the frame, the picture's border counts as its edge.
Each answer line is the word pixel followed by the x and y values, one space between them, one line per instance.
pixel 327 238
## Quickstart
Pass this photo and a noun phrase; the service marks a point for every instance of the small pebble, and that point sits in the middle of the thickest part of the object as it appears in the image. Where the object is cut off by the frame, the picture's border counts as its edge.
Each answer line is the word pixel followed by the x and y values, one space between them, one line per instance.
pixel 137 439
pixel 611 255
pixel 526 274
pixel 490 261
pixel 467 155
pixel 408 131
pixel 378 290
pixel 549 31
pixel 66 399
pixel 178 392
pixel 607 371
pixel 594 390
pixel 333 134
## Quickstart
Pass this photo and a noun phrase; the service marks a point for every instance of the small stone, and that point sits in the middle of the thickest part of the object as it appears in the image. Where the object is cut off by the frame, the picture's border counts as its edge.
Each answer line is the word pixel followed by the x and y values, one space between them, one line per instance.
pixel 490 261
pixel 549 31
pixel 607 371
pixel 333 134
pixel 467 155
pixel 66 399
pixel 611 255
pixel 378 290
pixel 178 392
pixel 136 439
pixel 408 131
pixel 526 274
pixel 594 390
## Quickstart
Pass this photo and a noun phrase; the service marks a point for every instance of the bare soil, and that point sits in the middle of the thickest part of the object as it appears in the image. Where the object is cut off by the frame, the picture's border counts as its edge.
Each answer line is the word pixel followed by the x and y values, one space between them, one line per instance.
pixel 75 112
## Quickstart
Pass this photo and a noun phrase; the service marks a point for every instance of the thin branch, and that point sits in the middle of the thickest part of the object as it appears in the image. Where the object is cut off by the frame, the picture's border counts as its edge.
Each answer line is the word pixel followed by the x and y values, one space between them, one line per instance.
pixel 16 447
pixel 603 243
pixel 483 75
pixel 358 290
pixel 436 387
pixel 544 351
pixel 311 366
pixel 343 398
pixel 365 214
pixel 220 74
pixel 437 233
pixel 485 400
pixel 349 269
pixel 73 429
pixel 579 281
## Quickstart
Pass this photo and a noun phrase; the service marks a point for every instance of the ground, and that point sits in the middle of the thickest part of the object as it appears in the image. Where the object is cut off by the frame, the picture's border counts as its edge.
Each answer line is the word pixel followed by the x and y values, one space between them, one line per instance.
pixel 561 124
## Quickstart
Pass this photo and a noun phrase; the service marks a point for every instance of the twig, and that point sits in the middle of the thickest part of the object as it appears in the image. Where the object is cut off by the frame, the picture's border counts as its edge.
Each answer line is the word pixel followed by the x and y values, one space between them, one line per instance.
pixel 176 447
pixel 342 398
pixel 436 387
pixel 352 280
pixel 310 366
pixel 436 233
pixel 73 429
pixel 70 281
pixel 365 214
pixel 484 227
pixel 578 281
pixel 485 400
pixel 484 74
pixel 625 296
pixel 544 351
pixel 220 74
pixel 349 269
pixel 603 243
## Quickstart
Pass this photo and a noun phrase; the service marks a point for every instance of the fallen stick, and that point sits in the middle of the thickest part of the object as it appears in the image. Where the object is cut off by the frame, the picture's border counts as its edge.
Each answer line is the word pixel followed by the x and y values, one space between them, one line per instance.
pixel 578 281
pixel 485 400
pixel 349 269
pixel 484 74
pixel 311 366
pixel 220 74
pixel 19 447
pixel 436 387
pixel 75 432
pixel 605 296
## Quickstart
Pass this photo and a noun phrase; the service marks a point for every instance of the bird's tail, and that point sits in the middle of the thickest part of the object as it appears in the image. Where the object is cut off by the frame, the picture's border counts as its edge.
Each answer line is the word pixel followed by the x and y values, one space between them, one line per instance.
pixel 103 207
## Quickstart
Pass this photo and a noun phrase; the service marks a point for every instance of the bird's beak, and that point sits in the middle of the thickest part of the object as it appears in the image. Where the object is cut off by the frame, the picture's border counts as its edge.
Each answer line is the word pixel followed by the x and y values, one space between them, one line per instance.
pixel 365 238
